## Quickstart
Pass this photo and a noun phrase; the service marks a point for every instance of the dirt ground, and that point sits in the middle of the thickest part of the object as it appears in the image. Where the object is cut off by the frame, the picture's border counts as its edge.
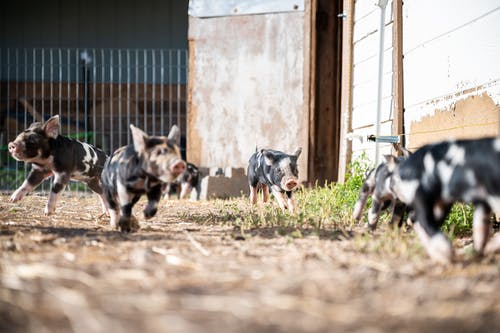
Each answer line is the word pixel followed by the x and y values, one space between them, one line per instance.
pixel 190 270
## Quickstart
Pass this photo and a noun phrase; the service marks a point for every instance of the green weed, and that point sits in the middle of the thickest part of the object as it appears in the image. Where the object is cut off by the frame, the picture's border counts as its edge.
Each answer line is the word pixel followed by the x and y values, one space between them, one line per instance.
pixel 320 209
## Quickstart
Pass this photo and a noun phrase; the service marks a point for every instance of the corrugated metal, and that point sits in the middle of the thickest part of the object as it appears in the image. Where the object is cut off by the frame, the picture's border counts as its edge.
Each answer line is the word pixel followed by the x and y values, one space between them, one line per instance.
pixel 214 8
pixel 94 23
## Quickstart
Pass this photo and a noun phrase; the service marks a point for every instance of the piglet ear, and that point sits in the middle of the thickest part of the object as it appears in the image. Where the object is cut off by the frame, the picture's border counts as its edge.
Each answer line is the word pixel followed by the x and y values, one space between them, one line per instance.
pixel 51 127
pixel 269 157
pixel 139 139
pixel 298 151
pixel 175 135
pixel 391 161
pixel 406 152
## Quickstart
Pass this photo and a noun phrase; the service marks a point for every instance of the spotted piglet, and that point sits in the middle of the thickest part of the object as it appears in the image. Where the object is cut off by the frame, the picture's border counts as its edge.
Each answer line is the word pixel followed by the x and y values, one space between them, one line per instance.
pixel 184 183
pixel 52 154
pixel 144 167
pixel 275 171
pixel 377 185
pixel 440 174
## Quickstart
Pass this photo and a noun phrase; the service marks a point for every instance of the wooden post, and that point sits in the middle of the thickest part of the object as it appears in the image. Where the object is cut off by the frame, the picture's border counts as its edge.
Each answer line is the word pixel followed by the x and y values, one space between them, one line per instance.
pixel 397 55
pixel 345 147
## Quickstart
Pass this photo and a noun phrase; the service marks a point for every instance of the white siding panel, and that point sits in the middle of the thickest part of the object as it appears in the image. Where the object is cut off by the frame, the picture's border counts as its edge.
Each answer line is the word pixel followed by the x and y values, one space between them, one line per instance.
pixel 425 19
pixel 365 73
pixel 367 48
pixel 366 114
pixel 438 64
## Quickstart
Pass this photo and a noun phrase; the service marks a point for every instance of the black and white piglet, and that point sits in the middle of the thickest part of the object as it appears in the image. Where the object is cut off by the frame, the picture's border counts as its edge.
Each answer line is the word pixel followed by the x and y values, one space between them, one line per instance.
pixel 440 174
pixel 377 185
pixel 185 183
pixel 51 154
pixel 143 167
pixel 276 171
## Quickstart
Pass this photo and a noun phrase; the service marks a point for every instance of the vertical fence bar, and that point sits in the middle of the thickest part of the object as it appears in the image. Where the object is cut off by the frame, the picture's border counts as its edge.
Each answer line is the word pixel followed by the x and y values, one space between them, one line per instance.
pixel 84 58
pixel 51 71
pixel 144 111
pixel 17 96
pixel 137 87
pixel 128 95
pixel 119 98
pixel 59 86
pixel 94 111
pixel 153 91
pixel 162 83
pixel 77 92
pixel 68 88
pixel 25 51
pixel 103 70
pixel 42 82
pixel 111 127
pixel 186 76
pixel 170 122
pixel 17 92
pixel 179 90
pixel 7 98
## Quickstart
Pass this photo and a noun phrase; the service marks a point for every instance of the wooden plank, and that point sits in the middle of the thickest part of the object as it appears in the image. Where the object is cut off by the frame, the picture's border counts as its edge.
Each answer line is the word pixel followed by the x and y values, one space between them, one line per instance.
pixel 397 42
pixel 345 147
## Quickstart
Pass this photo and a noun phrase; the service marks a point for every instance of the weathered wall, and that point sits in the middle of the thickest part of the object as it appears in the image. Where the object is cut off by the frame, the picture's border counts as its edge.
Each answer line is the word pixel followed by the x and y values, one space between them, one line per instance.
pixel 451 69
pixel 246 87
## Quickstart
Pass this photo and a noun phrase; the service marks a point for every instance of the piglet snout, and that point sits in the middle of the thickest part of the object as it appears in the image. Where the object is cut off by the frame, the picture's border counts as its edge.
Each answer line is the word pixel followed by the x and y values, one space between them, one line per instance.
pixel 13 147
pixel 291 184
pixel 178 167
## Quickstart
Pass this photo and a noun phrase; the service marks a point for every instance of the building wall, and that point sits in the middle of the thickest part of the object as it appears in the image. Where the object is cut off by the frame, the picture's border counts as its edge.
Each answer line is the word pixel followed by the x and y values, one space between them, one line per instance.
pixel 94 23
pixel 247 87
pixel 365 76
pixel 451 69
pixel 451 72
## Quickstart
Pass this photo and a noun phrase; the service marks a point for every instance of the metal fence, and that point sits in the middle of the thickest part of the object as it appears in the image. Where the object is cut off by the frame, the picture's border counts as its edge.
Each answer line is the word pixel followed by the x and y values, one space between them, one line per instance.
pixel 96 92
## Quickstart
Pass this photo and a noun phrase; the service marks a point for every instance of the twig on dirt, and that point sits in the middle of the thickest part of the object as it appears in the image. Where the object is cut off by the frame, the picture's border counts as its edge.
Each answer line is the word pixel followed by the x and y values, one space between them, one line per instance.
pixel 196 244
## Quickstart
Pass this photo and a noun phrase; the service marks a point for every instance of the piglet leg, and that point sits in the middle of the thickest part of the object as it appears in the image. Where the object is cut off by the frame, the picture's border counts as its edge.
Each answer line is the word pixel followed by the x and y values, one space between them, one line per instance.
pixel 35 178
pixel 60 181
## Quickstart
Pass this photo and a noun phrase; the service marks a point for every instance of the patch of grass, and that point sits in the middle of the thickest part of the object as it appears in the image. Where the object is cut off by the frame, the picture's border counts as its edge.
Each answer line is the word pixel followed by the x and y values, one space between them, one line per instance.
pixel 318 207
pixel 322 207
pixel 459 221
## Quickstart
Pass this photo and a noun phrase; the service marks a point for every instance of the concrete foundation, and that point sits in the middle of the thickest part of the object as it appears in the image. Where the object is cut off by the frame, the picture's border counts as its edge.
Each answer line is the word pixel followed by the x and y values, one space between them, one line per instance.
pixel 222 184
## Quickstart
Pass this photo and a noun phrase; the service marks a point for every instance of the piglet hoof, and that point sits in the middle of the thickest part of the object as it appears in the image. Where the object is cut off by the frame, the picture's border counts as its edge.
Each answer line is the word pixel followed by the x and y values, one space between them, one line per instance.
pixel 16 196
pixel 128 224
pixel 49 210
pixel 440 250
pixel 124 224
pixel 370 227
pixel 149 212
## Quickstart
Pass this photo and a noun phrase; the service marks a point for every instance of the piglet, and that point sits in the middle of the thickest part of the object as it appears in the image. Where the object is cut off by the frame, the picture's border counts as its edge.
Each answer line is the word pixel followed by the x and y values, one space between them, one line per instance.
pixel 276 171
pixel 144 167
pixel 440 174
pixel 52 154
pixel 184 183
pixel 377 185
